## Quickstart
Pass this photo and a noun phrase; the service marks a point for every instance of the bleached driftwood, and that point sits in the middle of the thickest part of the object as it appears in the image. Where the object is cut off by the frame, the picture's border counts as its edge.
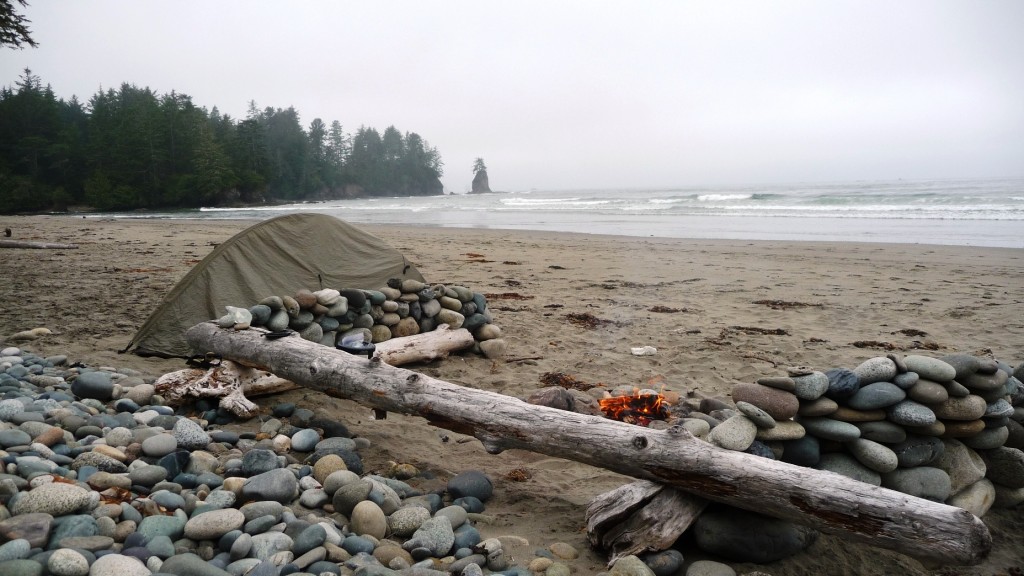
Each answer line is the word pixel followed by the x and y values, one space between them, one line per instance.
pixel 423 347
pixel 36 245
pixel 229 381
pixel 832 503
pixel 233 382
pixel 639 517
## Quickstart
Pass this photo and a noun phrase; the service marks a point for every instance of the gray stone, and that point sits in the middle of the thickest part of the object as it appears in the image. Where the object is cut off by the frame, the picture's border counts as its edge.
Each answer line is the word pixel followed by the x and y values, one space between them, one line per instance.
pixel 189 564
pixel 977 498
pixel 876 395
pixel 1005 466
pixel 305 440
pixel 924 482
pixel 14 550
pixel 873 455
pixel 988 439
pixel 731 534
pixel 829 429
pixel 405 521
pixel 279 485
pixel 269 543
pixel 963 465
pixel 96 385
pixel 882 431
pixel 736 433
pixel 930 368
pixel 55 499
pixel 918 450
pixel 159 445
pixel 471 483
pixel 190 435
pixel 848 466
pixel 759 417
pixel 65 562
pixel 879 369
pixel 810 386
pixel 214 524
pixel 435 535
pixel 118 565
pixel 910 413
pixel 709 568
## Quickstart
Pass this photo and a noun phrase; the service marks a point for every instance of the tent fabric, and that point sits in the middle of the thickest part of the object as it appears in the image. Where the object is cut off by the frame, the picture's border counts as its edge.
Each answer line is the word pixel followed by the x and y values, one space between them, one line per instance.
pixel 275 257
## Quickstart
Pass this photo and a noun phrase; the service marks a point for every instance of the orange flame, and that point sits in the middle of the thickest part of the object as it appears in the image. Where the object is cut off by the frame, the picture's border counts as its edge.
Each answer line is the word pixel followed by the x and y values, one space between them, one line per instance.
pixel 636 409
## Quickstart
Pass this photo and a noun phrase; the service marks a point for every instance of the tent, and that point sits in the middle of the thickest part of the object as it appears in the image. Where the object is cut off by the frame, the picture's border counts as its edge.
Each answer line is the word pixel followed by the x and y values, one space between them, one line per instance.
pixel 276 257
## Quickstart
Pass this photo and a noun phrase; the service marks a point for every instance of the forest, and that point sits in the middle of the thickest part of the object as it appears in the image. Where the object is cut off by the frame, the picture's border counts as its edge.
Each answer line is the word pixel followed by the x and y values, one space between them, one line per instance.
pixel 132 148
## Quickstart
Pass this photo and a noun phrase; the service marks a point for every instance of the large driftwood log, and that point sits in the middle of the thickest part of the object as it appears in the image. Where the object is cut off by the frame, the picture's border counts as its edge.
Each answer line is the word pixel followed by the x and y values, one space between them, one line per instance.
pixel 828 502
pixel 233 382
pixel 36 245
pixel 639 517
pixel 423 347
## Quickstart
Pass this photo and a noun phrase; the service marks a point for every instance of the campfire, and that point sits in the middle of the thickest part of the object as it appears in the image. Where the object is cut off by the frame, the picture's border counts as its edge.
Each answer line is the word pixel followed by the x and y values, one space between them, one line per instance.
pixel 637 409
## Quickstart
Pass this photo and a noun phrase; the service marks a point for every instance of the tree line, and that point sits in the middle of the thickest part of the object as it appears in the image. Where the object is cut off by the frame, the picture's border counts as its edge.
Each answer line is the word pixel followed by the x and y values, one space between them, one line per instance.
pixel 133 148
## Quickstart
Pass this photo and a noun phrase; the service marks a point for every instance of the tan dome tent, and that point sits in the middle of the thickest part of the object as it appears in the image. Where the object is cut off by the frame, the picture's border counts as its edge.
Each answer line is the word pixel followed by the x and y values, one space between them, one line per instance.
pixel 273 258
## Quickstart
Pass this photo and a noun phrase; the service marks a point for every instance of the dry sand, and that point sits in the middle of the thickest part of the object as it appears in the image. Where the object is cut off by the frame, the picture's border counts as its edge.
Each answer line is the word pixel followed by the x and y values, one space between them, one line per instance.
pixel 903 295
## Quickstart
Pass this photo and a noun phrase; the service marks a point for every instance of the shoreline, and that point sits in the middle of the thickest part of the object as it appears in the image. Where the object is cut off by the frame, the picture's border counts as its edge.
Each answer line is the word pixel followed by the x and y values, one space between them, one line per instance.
pixel 962 298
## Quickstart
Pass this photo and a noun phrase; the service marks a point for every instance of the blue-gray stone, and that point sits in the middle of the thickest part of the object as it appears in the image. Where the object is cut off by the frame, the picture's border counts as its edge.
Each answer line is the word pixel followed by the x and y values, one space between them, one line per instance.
pixel 876 395
pixel 309 538
pixel 842 383
pixel 259 524
pixel 161 546
pixel 471 483
pixel 726 532
pixel 472 504
pixel 910 413
pixel 258 461
pixel 279 485
pixel 269 543
pixel 664 563
pixel 355 544
pixel 878 369
pixel 14 437
pixel 805 451
pixel 71 527
pixel 435 535
pixel 189 564
pixel 811 386
pixel 466 536
pixel 918 450
pixel 14 550
pixel 923 481
pixel 97 385
pixel 930 368
pixel 829 429
pixel 847 465
pixel 906 380
pixel 305 440
pixel 21 568
pixel 171 526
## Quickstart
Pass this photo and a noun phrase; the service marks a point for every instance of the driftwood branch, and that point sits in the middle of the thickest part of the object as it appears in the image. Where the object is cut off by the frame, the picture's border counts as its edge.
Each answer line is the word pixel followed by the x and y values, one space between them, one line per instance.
pixel 828 502
pixel 640 517
pixel 37 245
pixel 423 347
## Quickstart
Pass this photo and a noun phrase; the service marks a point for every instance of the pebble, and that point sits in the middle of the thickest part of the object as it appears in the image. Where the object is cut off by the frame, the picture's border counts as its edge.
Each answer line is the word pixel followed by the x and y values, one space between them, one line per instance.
pixel 928 392
pixel 924 482
pixel 878 369
pixel 847 465
pixel 910 413
pixel 726 532
pixel 977 498
pixel 829 429
pixel 810 386
pixel 873 455
pixel 759 417
pixel 918 450
pixel 779 404
pixel 471 483
pixel 709 568
pixel 1005 466
pixel 930 368
pixel 842 383
pixel 876 395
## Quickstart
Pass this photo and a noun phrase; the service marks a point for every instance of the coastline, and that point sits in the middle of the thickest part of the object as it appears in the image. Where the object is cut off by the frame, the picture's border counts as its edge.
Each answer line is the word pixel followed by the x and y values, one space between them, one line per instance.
pixel 961 298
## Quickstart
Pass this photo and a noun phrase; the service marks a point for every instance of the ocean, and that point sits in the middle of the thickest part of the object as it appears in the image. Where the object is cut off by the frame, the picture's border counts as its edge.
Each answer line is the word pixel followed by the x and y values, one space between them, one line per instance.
pixel 951 212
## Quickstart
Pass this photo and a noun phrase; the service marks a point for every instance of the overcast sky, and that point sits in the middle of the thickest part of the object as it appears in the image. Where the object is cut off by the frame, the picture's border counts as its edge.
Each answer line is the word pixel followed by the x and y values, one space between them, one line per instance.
pixel 588 94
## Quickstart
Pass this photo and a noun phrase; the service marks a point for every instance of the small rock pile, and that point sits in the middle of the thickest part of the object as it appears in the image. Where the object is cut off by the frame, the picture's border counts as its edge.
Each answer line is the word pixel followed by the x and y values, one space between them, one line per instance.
pixel 402 308
pixel 101 479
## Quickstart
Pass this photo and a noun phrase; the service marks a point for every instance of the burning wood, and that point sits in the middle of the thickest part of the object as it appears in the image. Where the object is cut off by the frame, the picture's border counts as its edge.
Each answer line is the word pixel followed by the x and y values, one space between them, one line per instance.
pixel 637 409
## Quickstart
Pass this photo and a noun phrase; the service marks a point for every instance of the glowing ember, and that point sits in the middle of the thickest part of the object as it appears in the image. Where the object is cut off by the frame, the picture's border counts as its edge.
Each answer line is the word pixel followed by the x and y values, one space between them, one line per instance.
pixel 637 409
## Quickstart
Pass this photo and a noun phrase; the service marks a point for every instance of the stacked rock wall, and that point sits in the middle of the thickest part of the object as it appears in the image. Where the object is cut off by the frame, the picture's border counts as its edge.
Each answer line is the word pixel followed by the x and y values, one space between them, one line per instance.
pixel 402 308
pixel 945 429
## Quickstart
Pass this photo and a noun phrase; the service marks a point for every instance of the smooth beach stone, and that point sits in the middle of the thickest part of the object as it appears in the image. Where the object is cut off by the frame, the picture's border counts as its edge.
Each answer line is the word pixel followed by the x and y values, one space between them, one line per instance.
pixel 784 430
pixel 1015 434
pixel 927 392
pixel 33 527
pixel 963 465
pixel 924 482
pixel 736 433
pixel 214 524
pixel 665 563
pixel 14 550
pixel 882 430
pixel 159 445
pixel 819 407
pixel 56 499
pixel 873 455
pixel 781 382
pixel 829 429
pixel 471 483
pixel 779 404
pixel 435 535
pixel 918 451
pixel 1005 466
pixel 963 364
pixel 937 428
pixel 977 498
pixel 709 568
pixel 847 465
pixel 810 386
pixel 850 415
pixel 759 417
pixel 842 383
pixel 65 562
pixel 910 413
pixel 804 451
pixel 987 439
pixel 876 395
pixel 405 521
pixel 878 369
pixel 726 532
pixel 279 485
pixel 930 368
pixel 906 380
pixel 278 321
pixel 985 382
pixel 968 408
pixel 1008 497
pixel 189 564
pixel 190 435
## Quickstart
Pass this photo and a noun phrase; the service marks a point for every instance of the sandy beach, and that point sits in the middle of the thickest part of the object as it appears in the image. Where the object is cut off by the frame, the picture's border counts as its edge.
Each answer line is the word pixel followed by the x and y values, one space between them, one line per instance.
pixel 719 312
